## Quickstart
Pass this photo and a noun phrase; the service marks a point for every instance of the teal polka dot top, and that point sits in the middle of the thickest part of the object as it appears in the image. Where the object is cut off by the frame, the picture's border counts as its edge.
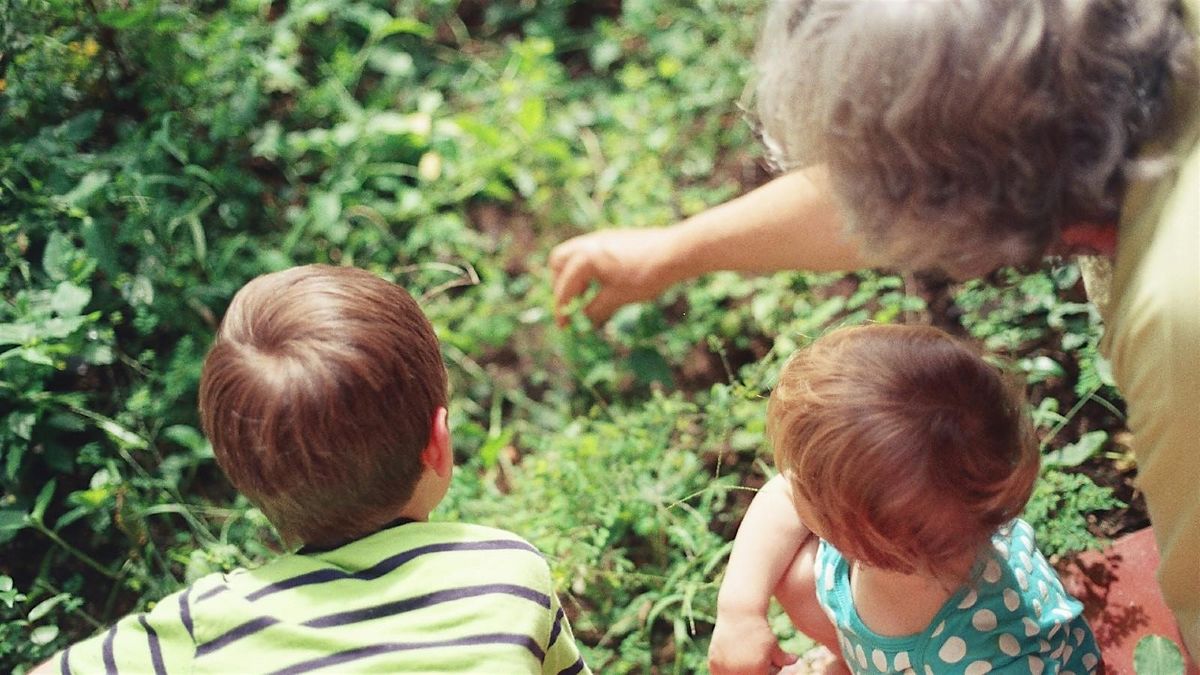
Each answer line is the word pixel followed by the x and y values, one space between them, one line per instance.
pixel 1015 617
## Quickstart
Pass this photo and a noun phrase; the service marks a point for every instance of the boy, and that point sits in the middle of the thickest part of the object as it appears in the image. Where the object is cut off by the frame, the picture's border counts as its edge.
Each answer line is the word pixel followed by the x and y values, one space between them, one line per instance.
pixel 324 396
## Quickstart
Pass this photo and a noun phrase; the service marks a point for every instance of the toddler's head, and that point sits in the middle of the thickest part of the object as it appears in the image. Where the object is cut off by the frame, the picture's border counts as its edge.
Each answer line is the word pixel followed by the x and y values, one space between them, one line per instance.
pixel 905 449
pixel 320 395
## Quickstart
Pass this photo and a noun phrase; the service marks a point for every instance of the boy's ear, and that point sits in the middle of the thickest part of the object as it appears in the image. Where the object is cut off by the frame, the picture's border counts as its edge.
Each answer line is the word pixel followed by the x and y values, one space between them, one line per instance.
pixel 438 456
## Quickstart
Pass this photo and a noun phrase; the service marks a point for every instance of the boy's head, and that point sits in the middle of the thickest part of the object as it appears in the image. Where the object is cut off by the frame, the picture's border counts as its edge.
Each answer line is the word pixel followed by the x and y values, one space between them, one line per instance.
pixel 906 449
pixel 324 397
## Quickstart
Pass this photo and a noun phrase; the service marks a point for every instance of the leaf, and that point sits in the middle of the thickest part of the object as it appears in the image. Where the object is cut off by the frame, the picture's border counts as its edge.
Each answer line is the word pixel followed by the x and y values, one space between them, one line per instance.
pixel 69 299
pixel 87 186
pixel 46 605
pixel 101 246
pixel 56 259
pixel 16 333
pixel 61 327
pixel 123 19
pixel 1078 452
pixel 21 424
pixel 42 501
pixel 405 25
pixel 648 365
pixel 532 114
pixel 388 62
pixel 29 355
pixel 188 437
pixel 325 208
pixel 1156 655
pixel 72 516
pixel 43 634
pixel 120 433
pixel 12 462
pixel 11 522
pixel 489 452
pixel 1040 368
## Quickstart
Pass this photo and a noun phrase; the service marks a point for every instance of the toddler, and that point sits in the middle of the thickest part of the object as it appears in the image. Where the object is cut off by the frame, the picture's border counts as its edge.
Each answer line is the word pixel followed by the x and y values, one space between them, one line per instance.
pixel 891 534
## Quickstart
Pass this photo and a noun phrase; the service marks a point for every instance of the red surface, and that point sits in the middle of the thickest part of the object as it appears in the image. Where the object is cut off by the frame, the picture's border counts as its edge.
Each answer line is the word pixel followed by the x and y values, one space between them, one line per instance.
pixel 1121 598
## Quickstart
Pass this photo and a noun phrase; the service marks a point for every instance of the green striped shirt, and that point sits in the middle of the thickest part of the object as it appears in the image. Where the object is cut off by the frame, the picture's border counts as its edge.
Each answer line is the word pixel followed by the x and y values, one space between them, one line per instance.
pixel 415 597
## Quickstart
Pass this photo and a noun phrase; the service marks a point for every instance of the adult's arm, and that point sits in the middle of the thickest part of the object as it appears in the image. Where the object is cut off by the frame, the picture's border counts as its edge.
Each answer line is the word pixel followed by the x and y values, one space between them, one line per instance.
pixel 791 222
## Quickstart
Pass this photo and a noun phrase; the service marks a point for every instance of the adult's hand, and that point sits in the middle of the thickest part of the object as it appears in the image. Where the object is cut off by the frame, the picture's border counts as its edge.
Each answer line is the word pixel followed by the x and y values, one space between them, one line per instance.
pixel 629 265
pixel 791 223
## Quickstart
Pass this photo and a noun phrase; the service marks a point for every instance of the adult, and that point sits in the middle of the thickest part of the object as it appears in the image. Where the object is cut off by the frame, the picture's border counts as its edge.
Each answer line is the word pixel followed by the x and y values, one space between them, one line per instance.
pixel 965 136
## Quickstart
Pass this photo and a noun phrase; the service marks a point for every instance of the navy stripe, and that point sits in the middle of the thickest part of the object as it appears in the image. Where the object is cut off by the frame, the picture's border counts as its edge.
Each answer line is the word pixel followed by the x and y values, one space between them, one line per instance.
pixel 556 629
pixel 309 549
pixel 423 601
pixel 573 668
pixel 185 613
pixel 249 628
pixel 106 652
pixel 388 564
pixel 377 612
pixel 63 668
pixel 211 592
pixel 155 648
pixel 389 647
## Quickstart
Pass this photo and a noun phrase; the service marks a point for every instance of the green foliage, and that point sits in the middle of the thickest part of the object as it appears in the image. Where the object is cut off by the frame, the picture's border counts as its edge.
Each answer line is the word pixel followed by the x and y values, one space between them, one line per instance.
pixel 1057 507
pixel 1157 655
pixel 28 625
pixel 157 154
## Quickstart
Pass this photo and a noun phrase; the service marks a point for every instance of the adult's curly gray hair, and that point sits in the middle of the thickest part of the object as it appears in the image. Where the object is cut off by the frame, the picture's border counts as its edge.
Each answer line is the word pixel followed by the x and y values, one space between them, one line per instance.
pixel 962 135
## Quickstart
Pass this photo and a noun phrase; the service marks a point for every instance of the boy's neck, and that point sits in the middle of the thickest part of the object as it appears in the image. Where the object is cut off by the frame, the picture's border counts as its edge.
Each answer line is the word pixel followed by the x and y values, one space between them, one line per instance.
pixel 897 604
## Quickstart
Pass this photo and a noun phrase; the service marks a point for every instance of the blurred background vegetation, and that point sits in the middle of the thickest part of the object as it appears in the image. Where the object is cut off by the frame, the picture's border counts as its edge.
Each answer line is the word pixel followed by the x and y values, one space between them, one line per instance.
pixel 157 154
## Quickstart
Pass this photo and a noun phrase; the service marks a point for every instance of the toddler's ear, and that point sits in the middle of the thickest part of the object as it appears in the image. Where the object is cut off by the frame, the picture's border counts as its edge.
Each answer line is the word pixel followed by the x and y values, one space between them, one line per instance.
pixel 438 455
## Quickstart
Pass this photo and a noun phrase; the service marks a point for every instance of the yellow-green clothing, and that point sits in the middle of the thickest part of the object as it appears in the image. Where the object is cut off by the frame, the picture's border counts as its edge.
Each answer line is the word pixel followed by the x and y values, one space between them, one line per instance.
pixel 414 598
pixel 1153 340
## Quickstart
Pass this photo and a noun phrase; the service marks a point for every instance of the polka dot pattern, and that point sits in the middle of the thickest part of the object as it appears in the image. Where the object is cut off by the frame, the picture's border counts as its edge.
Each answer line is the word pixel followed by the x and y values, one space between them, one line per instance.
pixel 991 572
pixel 1011 600
pixel 984 620
pixel 968 600
pixel 880 660
pixel 953 649
pixel 978 668
pixel 1014 614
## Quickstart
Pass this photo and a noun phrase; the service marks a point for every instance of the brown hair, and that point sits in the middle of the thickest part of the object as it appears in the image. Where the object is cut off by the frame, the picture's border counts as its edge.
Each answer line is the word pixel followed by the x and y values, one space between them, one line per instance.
pixel 965 135
pixel 910 449
pixel 318 396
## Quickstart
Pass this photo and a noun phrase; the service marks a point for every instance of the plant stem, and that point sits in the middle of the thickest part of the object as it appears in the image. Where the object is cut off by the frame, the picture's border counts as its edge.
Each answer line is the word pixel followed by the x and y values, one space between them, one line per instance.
pixel 85 558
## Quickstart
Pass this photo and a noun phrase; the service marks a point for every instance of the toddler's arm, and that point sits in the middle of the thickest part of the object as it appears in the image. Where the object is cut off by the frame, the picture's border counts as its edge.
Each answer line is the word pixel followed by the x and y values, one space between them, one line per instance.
pixel 768 540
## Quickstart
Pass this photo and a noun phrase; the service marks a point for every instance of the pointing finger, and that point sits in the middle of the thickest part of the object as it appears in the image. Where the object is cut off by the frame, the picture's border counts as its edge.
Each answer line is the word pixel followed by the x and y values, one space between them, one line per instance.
pixel 576 274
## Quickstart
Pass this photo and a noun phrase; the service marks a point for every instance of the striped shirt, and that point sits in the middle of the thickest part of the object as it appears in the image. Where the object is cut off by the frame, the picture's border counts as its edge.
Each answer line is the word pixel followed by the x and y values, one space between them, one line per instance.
pixel 416 597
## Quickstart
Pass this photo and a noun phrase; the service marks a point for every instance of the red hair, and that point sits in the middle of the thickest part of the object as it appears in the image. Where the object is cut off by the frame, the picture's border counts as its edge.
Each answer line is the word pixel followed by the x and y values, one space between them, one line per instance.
pixel 910 449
